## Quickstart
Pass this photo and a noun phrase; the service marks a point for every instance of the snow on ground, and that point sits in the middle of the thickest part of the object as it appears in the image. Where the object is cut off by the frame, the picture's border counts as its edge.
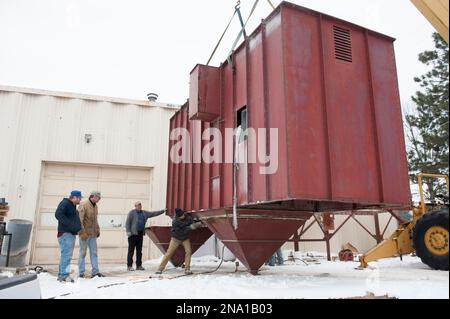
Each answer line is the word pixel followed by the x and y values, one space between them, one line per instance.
pixel 317 278
pixel 6 274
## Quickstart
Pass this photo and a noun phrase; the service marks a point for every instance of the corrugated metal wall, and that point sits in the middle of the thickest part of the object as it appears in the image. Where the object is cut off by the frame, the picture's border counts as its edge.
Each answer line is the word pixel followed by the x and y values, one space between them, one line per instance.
pixel 329 88
pixel 36 128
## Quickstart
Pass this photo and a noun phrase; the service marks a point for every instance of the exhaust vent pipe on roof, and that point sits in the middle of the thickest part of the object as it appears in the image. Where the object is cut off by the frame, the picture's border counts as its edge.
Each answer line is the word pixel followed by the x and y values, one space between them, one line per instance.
pixel 152 97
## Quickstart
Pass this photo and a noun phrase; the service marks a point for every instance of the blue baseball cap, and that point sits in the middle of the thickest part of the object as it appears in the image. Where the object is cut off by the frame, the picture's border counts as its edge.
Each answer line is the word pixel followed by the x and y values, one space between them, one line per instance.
pixel 75 193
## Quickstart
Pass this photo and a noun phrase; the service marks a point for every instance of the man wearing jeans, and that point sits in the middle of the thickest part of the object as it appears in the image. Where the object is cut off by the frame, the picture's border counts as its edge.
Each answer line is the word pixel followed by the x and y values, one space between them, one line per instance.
pixel 276 257
pixel 135 226
pixel 90 231
pixel 68 227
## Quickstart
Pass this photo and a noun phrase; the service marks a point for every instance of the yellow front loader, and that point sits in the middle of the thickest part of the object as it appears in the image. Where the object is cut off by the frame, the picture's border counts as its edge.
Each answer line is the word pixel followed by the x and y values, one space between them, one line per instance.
pixel 426 234
pixel 436 12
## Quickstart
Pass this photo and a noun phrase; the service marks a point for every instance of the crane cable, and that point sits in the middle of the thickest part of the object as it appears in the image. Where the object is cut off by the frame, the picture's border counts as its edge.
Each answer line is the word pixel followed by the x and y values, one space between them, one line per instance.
pixel 236 10
pixel 242 30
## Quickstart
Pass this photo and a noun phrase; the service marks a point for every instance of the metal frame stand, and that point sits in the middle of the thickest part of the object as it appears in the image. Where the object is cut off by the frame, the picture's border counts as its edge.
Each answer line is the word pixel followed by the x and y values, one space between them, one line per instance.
pixel 327 236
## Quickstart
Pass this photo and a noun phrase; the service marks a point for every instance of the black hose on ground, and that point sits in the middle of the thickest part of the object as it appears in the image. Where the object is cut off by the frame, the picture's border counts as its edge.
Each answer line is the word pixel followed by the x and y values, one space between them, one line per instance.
pixel 205 272
pixel 220 264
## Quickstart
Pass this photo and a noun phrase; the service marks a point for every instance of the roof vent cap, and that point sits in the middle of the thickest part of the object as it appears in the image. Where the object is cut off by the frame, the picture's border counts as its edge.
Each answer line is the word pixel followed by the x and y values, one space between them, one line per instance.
pixel 152 97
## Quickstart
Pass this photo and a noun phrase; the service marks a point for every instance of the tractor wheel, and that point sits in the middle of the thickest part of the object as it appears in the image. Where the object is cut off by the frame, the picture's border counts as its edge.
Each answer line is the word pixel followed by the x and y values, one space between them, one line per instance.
pixel 430 239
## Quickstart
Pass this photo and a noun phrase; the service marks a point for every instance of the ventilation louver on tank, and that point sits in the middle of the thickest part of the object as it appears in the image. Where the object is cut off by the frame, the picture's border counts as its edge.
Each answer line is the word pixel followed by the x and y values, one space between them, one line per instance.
pixel 342 44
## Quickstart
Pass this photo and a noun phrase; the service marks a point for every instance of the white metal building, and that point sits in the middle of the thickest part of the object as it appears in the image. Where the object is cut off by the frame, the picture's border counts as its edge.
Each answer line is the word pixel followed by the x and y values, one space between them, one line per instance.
pixel 53 142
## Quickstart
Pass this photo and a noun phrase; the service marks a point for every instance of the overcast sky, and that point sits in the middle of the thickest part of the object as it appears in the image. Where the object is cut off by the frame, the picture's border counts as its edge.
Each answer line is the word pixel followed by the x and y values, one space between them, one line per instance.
pixel 129 48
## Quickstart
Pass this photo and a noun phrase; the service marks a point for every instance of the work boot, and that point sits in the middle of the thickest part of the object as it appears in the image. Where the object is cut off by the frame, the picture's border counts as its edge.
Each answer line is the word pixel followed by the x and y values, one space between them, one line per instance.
pixel 188 272
pixel 130 269
pixel 81 276
pixel 159 272
pixel 99 274
pixel 140 268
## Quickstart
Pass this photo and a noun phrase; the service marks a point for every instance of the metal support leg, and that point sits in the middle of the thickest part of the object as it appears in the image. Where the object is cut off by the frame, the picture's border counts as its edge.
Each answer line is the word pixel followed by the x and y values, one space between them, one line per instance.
pixel 378 235
pixel 327 240
pixel 296 238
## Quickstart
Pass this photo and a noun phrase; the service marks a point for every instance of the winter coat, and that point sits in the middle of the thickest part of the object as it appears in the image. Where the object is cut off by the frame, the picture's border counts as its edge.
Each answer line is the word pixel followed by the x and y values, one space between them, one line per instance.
pixel 181 228
pixel 131 224
pixel 68 217
pixel 89 219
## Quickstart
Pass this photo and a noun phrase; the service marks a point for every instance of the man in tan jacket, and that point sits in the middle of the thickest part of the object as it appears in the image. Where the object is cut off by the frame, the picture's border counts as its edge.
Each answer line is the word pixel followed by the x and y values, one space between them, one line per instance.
pixel 90 231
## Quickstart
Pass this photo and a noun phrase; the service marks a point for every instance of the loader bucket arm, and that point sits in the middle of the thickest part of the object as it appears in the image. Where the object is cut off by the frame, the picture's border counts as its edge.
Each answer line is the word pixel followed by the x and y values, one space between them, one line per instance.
pixel 400 243
pixel 436 12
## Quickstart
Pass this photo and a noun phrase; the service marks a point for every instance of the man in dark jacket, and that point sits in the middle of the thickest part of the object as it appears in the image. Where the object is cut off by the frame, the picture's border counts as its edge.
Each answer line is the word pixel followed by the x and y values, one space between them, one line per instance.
pixel 182 224
pixel 135 226
pixel 68 227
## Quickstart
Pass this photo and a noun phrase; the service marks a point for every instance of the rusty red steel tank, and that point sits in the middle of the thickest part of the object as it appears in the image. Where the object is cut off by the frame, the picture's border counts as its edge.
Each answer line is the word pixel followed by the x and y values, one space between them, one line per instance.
pixel 330 89
pixel 160 235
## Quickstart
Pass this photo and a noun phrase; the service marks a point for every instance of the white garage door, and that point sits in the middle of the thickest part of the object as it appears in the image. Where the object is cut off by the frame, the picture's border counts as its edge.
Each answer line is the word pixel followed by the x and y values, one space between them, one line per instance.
pixel 120 188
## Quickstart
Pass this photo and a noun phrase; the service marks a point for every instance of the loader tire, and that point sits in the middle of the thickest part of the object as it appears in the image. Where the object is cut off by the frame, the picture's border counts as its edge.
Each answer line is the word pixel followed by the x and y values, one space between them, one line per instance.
pixel 431 240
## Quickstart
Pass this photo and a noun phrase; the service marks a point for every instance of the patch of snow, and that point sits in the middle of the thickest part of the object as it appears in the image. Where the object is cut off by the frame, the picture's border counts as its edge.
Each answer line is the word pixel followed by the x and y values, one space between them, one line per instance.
pixel 322 279
pixel 6 274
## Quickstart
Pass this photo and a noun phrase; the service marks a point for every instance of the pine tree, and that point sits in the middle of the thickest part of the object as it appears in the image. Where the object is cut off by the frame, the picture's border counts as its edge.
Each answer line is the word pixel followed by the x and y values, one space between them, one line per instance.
pixel 428 126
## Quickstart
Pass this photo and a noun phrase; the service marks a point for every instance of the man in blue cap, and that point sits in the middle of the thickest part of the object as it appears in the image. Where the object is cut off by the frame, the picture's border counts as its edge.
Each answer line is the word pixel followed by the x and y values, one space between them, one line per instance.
pixel 68 227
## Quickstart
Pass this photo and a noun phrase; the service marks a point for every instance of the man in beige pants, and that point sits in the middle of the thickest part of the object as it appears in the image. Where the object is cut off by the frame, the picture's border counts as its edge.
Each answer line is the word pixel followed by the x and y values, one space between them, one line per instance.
pixel 182 224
